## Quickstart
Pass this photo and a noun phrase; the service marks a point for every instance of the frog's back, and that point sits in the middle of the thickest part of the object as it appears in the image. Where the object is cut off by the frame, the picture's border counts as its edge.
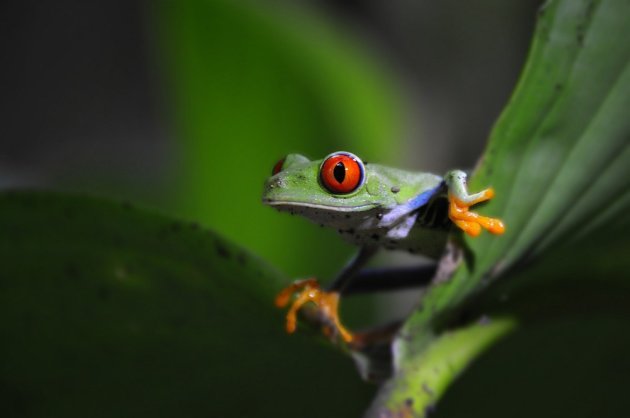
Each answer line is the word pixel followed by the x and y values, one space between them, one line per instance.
pixel 400 185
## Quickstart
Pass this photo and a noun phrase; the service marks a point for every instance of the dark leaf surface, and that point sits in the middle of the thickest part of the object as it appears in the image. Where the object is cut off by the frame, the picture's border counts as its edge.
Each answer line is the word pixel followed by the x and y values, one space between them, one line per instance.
pixel 107 310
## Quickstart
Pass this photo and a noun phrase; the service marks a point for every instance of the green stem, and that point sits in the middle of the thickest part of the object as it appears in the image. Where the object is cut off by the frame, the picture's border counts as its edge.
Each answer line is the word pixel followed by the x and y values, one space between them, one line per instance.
pixel 423 379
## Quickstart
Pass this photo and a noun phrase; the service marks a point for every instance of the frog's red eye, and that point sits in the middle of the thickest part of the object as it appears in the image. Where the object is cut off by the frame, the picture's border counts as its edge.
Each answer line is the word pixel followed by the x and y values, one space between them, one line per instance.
pixel 278 167
pixel 342 173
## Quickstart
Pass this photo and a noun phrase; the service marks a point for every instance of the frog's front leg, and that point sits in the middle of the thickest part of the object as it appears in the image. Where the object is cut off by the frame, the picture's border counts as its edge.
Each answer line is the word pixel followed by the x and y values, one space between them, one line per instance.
pixel 308 290
pixel 460 202
pixel 327 301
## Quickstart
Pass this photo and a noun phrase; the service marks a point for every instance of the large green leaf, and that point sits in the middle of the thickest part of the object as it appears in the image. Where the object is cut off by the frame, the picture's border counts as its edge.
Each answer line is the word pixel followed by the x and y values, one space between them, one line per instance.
pixel 252 83
pixel 558 158
pixel 107 310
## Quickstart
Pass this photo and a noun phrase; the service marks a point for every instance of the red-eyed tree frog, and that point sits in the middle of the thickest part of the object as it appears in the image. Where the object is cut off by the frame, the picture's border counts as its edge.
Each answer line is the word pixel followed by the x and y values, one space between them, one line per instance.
pixel 371 206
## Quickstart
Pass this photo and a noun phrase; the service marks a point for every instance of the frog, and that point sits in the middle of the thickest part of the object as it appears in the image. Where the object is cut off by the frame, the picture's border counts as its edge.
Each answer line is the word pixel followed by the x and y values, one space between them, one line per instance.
pixel 373 207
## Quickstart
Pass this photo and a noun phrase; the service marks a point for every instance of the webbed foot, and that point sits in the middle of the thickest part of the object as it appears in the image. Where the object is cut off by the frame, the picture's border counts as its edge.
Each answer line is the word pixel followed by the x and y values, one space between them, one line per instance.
pixel 308 290
pixel 460 202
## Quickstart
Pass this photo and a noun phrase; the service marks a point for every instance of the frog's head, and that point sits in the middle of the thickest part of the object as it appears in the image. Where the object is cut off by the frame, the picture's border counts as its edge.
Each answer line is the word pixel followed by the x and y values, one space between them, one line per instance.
pixel 338 186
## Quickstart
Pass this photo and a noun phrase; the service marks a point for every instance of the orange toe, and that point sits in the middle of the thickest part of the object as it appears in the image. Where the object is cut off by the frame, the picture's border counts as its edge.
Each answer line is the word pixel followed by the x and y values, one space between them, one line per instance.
pixel 471 222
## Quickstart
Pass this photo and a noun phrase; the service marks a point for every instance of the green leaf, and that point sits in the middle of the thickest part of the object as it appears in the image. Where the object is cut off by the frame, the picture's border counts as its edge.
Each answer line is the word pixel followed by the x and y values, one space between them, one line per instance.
pixel 251 84
pixel 108 310
pixel 558 158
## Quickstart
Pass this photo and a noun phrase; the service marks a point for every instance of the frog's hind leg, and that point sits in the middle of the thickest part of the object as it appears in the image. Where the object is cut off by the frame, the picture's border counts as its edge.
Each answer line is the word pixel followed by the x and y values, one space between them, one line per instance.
pixel 384 279
pixel 460 202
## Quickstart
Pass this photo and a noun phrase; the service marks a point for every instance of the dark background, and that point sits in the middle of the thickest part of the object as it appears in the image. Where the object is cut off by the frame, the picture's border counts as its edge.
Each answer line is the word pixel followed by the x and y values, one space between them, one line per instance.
pixel 85 106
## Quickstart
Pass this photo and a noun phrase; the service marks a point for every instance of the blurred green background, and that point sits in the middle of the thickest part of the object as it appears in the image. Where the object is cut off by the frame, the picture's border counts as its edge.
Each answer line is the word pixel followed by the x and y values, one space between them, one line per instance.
pixel 186 106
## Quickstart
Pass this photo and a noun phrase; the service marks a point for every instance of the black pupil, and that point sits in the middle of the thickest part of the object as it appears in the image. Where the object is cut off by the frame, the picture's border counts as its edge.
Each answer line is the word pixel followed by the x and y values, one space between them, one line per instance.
pixel 339 172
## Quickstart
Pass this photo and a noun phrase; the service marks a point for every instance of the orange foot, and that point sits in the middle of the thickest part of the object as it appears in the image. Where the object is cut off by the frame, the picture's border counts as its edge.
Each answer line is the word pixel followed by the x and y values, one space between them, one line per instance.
pixel 308 290
pixel 471 222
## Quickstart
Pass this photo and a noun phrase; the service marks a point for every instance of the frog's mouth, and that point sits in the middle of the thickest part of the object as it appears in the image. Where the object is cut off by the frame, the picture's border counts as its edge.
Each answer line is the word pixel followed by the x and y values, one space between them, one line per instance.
pixel 285 204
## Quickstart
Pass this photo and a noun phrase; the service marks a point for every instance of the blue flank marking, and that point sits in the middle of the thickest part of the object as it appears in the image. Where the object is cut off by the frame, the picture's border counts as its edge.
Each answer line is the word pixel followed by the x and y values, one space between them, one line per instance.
pixel 398 212
pixel 422 198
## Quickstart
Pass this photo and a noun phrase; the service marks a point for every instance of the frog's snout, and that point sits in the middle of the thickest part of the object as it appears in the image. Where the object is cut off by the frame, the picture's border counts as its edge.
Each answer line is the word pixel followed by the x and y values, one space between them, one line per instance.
pixel 273 185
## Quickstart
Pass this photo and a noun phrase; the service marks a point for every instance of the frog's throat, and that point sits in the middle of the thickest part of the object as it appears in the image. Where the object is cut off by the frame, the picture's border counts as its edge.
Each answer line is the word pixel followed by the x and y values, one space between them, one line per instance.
pixel 284 203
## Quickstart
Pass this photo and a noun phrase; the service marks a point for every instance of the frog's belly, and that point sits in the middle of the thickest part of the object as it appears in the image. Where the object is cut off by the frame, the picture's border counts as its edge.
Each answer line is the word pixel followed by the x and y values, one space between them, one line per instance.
pixel 429 242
